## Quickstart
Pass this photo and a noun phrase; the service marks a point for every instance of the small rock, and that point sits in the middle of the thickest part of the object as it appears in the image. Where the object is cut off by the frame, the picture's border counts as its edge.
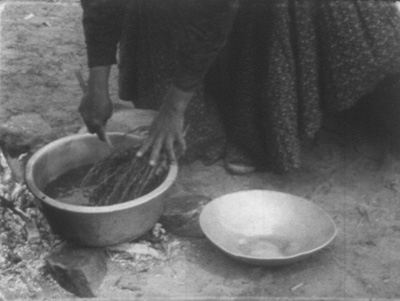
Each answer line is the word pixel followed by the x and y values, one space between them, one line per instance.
pixel 78 270
pixel 32 233
pixel 158 231
pixel 135 248
pixel 21 132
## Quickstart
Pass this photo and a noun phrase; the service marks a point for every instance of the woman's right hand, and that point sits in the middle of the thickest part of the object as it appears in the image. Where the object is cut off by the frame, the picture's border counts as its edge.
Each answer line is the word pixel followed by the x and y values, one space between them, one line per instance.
pixel 96 109
pixel 96 106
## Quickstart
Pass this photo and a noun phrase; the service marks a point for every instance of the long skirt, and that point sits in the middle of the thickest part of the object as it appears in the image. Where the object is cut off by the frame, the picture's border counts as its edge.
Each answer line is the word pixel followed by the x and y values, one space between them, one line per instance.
pixel 285 65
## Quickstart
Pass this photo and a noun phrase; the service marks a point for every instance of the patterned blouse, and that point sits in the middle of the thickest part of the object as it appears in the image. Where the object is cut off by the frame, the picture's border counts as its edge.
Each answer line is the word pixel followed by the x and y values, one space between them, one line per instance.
pixel 199 29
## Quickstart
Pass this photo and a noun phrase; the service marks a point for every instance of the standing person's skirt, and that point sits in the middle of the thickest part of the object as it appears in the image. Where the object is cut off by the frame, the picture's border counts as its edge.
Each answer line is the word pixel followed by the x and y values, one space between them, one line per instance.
pixel 286 64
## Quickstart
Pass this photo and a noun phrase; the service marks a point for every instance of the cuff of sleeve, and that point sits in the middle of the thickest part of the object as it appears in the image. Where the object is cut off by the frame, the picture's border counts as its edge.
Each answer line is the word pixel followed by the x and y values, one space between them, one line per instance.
pixel 103 58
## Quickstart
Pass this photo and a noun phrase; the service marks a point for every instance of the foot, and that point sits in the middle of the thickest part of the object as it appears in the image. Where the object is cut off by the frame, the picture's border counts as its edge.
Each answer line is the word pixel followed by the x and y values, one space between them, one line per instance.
pixel 237 162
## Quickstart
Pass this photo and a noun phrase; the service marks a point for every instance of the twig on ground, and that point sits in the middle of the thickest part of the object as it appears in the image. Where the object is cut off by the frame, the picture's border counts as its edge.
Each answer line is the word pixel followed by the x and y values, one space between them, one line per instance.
pixel 11 206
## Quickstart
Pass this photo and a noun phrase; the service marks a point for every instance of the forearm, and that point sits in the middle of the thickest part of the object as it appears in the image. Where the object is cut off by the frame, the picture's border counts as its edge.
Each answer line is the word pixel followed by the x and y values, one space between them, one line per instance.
pixel 98 79
pixel 176 100
pixel 96 106
pixel 102 23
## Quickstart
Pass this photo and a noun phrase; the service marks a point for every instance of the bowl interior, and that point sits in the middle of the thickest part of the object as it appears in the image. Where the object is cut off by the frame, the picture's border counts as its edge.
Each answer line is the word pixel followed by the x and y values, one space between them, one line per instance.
pixel 66 154
pixel 71 152
pixel 266 226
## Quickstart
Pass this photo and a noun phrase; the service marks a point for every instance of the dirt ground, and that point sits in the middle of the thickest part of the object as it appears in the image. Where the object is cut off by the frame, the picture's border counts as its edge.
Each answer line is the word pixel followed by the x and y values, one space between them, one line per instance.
pixel 343 171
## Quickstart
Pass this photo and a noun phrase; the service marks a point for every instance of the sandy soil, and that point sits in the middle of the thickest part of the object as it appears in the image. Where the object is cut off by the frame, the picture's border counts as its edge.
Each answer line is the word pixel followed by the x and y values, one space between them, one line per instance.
pixel 344 172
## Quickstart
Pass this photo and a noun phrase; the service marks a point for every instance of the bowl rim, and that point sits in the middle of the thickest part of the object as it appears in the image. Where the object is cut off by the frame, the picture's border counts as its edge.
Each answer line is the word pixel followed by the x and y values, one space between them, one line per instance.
pixel 270 259
pixel 30 182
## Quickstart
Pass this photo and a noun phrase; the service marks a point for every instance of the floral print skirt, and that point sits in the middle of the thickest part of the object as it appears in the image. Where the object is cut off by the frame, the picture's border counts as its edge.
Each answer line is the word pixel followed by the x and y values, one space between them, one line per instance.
pixel 286 64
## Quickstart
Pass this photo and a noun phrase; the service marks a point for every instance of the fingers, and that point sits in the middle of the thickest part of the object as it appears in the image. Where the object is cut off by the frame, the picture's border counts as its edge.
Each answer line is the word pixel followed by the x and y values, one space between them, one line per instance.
pixel 170 151
pixel 93 125
pixel 95 110
pixel 182 143
pixel 155 153
pixel 156 143
pixel 97 129
pixel 148 142
pixel 100 133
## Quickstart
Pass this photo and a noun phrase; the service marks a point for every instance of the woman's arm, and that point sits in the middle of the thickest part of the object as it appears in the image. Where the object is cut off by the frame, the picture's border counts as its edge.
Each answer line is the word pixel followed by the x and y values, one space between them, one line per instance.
pixel 102 23
pixel 200 29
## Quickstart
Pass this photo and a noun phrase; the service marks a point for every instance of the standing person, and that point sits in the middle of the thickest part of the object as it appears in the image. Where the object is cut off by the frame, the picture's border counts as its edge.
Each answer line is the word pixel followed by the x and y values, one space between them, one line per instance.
pixel 196 29
pixel 286 64
pixel 289 63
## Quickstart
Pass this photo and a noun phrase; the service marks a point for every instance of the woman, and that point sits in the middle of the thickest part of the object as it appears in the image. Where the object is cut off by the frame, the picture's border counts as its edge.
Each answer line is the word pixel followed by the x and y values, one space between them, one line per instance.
pixel 194 30
pixel 273 67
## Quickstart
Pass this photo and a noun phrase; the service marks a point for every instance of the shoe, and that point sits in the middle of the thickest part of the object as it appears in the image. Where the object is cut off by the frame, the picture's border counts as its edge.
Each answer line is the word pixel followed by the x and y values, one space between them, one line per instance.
pixel 237 162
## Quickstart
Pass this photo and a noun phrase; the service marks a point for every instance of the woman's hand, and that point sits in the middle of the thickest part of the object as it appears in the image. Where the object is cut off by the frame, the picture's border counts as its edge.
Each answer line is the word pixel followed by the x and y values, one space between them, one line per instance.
pixel 96 106
pixel 166 131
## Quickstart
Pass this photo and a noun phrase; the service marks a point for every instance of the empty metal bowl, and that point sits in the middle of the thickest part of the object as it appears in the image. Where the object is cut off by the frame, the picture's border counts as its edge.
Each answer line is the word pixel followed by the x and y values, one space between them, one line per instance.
pixel 266 228
pixel 90 225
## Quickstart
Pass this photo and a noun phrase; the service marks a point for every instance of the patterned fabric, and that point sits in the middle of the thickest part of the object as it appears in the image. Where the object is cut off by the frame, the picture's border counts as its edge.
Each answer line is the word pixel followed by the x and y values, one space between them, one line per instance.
pixel 148 63
pixel 290 61
pixel 286 63
pixel 195 30
pixel 103 22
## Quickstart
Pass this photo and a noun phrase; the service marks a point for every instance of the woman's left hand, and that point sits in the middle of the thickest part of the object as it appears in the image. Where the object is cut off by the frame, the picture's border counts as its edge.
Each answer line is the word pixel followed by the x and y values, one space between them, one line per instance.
pixel 166 131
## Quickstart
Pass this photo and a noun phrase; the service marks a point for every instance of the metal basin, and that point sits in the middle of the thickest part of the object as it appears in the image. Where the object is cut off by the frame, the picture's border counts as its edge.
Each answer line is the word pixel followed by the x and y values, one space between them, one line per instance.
pixel 266 228
pixel 89 225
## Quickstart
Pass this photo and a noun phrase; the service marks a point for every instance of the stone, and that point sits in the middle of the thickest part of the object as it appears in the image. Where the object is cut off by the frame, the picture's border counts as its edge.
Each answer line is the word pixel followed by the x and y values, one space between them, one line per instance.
pixel 78 270
pixel 182 215
pixel 136 248
pixel 24 131
pixel 32 232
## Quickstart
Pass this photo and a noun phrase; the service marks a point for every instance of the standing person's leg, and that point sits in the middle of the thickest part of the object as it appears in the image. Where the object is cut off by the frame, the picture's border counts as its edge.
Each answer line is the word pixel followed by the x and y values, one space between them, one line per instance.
pixel 235 82
pixel 361 67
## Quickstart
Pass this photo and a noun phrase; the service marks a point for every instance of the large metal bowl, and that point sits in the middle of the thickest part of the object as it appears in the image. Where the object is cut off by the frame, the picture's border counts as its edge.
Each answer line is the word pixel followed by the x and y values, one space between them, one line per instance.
pixel 89 225
pixel 266 228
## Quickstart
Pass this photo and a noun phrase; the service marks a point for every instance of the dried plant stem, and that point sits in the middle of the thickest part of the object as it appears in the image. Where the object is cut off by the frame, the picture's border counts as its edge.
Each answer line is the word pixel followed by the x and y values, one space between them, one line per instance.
pixel 121 176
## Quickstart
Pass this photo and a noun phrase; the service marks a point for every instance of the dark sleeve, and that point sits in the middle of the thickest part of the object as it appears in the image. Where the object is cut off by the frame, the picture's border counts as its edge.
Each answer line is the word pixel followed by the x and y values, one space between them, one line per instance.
pixel 102 25
pixel 201 29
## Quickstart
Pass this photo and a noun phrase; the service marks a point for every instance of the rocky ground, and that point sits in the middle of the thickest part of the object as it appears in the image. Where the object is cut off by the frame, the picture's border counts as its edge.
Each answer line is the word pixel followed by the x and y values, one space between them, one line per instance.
pixel 344 171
